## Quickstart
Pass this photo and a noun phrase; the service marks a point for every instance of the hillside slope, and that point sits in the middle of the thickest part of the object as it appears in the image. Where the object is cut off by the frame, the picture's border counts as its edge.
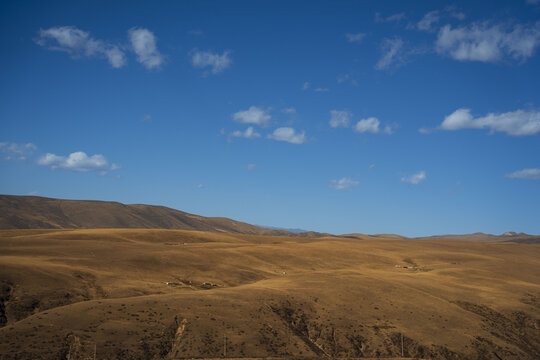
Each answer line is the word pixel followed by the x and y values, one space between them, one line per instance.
pixel 176 294
pixel 34 212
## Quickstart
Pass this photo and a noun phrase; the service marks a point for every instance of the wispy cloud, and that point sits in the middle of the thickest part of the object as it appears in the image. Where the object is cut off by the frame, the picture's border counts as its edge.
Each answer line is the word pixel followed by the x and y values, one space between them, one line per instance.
pixel 14 151
pixel 253 115
pixel 319 89
pixel 425 131
pixel 488 43
pixel 217 62
pixel 251 167
pixel 77 161
pixel 343 183
pixel 144 44
pixel 391 18
pixel 79 43
pixel 429 19
pixel 415 179
pixel 531 174
pixel 289 110
pixel 392 53
pixel 454 12
pixel 289 135
pixel 355 38
pixel 249 133
pixel 372 125
pixel 306 85
pixel 340 118
pixel 516 123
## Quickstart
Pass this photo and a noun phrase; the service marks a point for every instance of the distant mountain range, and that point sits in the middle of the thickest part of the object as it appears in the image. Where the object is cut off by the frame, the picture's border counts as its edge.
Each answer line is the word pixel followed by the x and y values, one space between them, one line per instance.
pixel 35 212
pixel 507 237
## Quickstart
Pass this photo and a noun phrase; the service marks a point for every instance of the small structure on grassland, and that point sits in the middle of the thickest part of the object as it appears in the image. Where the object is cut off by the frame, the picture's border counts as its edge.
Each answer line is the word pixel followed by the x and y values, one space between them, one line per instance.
pixel 208 285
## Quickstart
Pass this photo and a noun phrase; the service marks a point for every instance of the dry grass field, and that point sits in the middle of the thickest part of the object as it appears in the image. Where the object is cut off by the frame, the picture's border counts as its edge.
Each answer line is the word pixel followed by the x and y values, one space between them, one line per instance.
pixel 73 293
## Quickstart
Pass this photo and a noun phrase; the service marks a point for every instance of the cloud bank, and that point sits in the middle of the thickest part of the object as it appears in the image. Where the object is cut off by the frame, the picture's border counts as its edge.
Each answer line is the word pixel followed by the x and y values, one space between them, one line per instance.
pixel 79 43
pixel 77 161
pixel 531 174
pixel 516 123
pixel 488 43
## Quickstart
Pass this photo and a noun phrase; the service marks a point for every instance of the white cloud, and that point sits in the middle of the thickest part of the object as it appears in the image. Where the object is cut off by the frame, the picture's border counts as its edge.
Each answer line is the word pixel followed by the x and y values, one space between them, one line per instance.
pixel 516 123
pixel 340 118
pixel 218 63
pixel 251 167
pixel 533 2
pixel 531 174
pixel 249 133
pixel 389 129
pixel 454 12
pixel 343 183
pixel 321 89
pixel 355 38
pixel 289 110
pixel 428 20
pixel 415 179
pixel 14 151
pixel 253 115
pixel 289 135
pixel 147 118
pixel 116 57
pixel 306 85
pixel 143 43
pixel 77 161
pixel 372 125
pixel 392 18
pixel 79 43
pixel 198 186
pixel 368 125
pixel 488 43
pixel 391 53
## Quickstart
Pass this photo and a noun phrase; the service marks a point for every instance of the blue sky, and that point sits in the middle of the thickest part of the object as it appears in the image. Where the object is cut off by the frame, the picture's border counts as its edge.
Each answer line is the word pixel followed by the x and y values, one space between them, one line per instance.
pixel 334 116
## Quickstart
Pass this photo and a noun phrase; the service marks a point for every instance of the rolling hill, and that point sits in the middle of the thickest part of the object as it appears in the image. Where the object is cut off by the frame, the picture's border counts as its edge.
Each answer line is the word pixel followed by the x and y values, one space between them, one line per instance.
pixel 173 294
pixel 34 212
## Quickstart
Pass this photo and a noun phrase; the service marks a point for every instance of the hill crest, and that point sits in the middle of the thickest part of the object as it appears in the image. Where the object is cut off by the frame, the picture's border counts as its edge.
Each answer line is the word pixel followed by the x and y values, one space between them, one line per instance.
pixel 35 212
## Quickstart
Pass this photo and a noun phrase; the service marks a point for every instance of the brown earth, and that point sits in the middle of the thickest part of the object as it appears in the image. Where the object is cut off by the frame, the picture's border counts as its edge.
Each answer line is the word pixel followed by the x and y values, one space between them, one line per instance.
pixel 34 212
pixel 68 293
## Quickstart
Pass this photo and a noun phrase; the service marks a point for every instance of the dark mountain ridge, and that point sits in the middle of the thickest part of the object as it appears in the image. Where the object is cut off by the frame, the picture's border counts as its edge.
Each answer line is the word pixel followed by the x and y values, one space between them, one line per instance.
pixel 35 212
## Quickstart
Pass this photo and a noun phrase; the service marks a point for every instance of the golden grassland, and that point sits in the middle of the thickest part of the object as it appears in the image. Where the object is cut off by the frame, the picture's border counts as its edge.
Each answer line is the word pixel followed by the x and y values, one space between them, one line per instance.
pixel 70 293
